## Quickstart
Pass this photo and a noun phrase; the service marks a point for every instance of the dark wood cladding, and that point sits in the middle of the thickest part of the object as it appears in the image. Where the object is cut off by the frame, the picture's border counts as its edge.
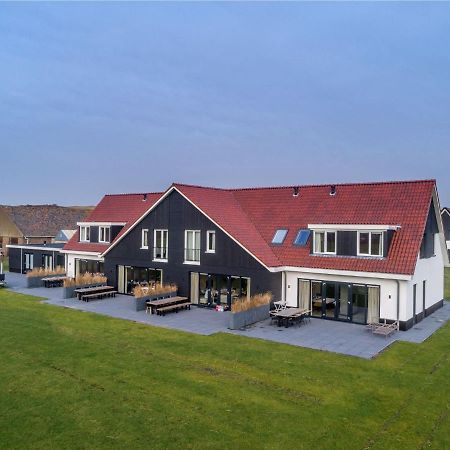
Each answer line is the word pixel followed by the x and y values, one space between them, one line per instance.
pixel 176 215
pixel 431 228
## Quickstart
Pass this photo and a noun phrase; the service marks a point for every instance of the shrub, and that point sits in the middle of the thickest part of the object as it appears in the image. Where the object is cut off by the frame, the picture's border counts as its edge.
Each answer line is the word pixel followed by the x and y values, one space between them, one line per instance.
pixel 245 303
pixel 41 272
pixel 141 291
pixel 85 278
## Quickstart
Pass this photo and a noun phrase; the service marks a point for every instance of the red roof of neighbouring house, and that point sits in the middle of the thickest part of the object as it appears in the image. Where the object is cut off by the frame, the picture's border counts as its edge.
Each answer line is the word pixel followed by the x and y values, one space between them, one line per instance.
pixel 253 215
pixel 119 208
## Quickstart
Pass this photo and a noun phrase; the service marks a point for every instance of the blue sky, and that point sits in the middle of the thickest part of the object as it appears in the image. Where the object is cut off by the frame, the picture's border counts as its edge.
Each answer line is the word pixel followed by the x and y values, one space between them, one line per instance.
pixel 111 97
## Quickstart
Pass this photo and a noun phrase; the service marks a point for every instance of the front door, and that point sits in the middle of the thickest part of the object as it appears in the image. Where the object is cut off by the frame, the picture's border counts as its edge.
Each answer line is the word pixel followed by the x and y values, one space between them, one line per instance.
pixel 414 303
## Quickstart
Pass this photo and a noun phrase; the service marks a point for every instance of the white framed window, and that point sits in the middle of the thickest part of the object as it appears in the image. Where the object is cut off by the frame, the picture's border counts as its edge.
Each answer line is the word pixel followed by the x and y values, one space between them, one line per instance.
pixel 325 242
pixel 85 234
pixel 192 246
pixel 161 245
pixel 370 243
pixel 104 234
pixel 144 239
pixel 210 242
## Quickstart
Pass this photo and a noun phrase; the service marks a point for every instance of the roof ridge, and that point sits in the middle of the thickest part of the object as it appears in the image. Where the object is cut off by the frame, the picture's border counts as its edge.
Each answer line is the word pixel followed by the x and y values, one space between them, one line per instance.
pixel 366 183
pixel 133 193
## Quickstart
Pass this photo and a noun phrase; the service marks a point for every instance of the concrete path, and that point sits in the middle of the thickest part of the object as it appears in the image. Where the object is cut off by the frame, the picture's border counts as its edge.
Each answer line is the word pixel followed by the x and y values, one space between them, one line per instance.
pixel 337 337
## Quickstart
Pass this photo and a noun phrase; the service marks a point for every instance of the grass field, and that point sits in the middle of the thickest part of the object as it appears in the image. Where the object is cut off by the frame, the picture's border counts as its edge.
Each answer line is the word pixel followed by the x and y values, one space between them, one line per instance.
pixel 70 379
pixel 447 283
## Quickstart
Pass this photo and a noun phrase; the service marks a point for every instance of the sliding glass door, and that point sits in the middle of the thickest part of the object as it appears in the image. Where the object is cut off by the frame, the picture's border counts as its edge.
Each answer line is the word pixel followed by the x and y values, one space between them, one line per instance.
pixel 214 289
pixel 348 302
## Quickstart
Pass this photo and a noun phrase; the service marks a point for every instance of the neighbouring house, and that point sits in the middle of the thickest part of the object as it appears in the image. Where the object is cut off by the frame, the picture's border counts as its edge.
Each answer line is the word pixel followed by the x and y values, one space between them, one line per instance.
pixel 445 213
pixel 63 236
pixel 103 226
pixel 357 253
pixel 26 257
pixel 36 224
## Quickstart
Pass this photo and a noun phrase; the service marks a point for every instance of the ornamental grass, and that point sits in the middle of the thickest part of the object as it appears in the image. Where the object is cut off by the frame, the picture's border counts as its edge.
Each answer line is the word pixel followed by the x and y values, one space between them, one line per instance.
pixel 141 290
pixel 85 278
pixel 245 303
pixel 41 272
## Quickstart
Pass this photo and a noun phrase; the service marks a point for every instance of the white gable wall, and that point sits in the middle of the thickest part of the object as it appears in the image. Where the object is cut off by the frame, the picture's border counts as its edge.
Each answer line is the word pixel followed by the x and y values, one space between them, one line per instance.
pixel 432 271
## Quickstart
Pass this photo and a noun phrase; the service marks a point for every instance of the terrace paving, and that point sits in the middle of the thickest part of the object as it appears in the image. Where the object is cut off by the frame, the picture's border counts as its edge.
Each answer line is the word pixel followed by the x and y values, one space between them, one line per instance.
pixel 337 337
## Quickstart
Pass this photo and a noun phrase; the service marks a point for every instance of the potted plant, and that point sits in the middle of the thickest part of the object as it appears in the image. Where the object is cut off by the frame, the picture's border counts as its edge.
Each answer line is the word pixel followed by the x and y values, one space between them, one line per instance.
pixel 144 294
pixel 246 311
pixel 35 276
pixel 81 281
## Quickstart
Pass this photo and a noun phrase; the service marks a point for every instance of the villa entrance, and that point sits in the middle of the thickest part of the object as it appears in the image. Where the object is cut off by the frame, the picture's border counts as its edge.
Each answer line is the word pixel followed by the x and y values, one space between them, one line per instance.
pixel 349 302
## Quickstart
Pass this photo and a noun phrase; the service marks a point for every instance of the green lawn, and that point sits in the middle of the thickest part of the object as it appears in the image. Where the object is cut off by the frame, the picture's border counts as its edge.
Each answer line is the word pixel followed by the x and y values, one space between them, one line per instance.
pixel 70 379
pixel 447 283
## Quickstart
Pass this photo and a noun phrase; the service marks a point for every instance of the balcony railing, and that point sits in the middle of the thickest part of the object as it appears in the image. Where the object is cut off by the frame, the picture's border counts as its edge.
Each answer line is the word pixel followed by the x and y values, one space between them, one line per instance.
pixel 192 254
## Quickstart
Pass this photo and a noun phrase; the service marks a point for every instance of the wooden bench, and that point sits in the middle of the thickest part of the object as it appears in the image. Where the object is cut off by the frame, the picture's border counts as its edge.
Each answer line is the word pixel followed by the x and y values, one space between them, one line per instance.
pixel 99 295
pixel 162 311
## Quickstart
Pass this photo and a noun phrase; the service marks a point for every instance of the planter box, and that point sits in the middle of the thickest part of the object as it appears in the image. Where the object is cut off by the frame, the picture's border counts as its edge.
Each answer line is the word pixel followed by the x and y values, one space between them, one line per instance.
pixel 35 282
pixel 140 303
pixel 68 292
pixel 242 319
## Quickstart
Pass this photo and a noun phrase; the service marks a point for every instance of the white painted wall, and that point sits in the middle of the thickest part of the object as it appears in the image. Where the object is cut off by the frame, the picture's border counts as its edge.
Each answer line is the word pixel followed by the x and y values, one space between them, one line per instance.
pixel 432 271
pixel 388 290
pixel 70 261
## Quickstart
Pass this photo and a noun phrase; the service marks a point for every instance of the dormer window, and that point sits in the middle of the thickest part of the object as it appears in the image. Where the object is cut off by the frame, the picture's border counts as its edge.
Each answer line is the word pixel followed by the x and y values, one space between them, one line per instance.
pixel 279 236
pixel 325 242
pixel 85 234
pixel 370 243
pixel 104 234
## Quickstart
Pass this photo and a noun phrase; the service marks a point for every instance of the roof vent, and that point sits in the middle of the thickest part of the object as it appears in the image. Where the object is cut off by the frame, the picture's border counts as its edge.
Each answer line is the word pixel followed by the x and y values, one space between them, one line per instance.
pixel 332 189
pixel 296 191
pixel 144 197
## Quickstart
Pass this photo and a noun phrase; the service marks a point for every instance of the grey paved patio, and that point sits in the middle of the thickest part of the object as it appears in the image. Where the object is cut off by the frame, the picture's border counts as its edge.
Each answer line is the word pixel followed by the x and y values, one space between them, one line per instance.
pixel 338 337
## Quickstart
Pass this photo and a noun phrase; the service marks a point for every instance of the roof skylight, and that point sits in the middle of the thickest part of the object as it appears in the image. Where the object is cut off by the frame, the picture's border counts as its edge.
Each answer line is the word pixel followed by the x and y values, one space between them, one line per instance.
pixel 279 236
pixel 302 237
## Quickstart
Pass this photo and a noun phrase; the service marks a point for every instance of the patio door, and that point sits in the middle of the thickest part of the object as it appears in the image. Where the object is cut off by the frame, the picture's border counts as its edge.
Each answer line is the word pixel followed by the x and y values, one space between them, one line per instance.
pixel 195 288
pixel 29 261
pixel 343 303
pixel 121 279
pixel 47 262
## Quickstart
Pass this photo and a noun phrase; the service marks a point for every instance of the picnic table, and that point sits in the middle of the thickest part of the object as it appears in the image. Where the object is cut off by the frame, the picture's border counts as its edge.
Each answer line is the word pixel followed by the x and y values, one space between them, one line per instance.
pixel 54 281
pixel 289 316
pixel 169 304
pixel 95 292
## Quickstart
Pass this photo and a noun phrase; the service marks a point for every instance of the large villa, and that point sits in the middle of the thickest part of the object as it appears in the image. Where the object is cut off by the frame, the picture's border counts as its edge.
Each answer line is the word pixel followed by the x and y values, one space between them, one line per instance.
pixel 358 253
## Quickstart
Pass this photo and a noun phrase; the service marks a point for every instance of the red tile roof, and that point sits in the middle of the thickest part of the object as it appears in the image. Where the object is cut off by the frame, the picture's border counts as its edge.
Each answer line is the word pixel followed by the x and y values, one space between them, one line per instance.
pixel 252 216
pixel 119 208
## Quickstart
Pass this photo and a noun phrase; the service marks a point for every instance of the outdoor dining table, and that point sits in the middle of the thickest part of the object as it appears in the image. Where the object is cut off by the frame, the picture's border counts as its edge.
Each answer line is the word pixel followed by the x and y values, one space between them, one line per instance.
pixel 290 315
pixel 92 290
pixel 153 305
pixel 56 281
